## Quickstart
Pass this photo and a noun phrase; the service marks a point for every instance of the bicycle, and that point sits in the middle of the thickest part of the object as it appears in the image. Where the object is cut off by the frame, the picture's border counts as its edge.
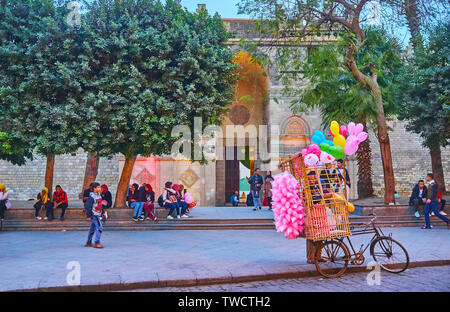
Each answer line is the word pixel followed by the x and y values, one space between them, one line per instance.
pixel 332 256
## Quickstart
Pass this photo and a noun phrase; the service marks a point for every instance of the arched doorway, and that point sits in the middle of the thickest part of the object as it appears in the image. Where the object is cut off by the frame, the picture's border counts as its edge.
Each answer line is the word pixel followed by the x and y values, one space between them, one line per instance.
pixel 248 109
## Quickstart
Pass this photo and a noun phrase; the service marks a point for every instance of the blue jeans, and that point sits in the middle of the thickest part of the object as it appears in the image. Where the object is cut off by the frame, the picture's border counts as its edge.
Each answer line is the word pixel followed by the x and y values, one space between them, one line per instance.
pixel 434 205
pixel 257 202
pixel 172 207
pixel 97 228
pixel 183 206
pixel 137 206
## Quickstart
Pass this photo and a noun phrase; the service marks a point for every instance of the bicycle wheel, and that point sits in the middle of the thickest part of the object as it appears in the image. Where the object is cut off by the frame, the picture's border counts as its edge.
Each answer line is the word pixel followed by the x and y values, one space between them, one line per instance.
pixel 332 259
pixel 390 254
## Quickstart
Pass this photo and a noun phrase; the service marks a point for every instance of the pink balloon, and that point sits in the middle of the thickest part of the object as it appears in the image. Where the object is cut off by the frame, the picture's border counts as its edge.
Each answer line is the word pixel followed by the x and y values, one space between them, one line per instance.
pixel 351 128
pixel 343 130
pixel 311 160
pixel 351 147
pixel 326 158
pixel 359 128
pixel 362 137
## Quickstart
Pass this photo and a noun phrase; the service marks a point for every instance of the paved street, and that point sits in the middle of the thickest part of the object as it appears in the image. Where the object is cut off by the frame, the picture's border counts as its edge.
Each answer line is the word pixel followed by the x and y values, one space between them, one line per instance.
pixel 40 259
pixel 426 279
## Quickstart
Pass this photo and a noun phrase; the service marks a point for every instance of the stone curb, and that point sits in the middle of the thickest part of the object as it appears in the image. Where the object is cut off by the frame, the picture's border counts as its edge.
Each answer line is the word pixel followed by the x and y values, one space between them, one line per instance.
pixel 211 281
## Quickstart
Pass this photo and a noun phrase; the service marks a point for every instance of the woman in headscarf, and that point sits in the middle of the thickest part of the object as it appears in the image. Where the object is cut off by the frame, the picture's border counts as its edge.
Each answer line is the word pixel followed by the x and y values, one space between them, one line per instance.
pixel 182 202
pixel 267 188
pixel 4 201
pixel 149 202
pixel 107 198
pixel 44 202
pixel 171 200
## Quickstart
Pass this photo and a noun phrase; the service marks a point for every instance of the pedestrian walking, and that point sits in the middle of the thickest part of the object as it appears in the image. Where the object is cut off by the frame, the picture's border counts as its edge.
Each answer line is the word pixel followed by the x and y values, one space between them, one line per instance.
pixel 4 201
pixel 60 201
pixel 267 189
pixel 94 211
pixel 256 182
pixel 432 202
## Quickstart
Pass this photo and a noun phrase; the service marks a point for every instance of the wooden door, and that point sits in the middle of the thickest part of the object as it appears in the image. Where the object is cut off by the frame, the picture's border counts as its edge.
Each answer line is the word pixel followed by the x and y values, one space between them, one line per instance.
pixel 231 175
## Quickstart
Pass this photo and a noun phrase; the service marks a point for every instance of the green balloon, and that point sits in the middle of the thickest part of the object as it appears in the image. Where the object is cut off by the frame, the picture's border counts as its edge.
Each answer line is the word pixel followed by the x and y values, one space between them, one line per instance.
pixel 340 153
pixel 324 147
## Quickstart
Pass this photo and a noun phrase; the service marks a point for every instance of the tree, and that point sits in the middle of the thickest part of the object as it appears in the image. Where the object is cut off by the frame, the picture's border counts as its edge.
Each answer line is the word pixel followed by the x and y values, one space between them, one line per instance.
pixel 424 92
pixel 38 61
pixel 149 67
pixel 334 91
pixel 291 20
pixel 13 150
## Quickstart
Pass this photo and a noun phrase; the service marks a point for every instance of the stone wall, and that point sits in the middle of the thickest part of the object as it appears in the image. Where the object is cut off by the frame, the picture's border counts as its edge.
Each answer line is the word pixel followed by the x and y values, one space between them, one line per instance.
pixel 411 160
pixel 25 182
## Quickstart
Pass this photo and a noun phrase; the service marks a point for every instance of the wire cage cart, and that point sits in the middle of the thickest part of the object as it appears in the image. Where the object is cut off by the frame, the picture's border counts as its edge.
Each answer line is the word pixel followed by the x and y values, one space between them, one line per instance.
pixel 326 222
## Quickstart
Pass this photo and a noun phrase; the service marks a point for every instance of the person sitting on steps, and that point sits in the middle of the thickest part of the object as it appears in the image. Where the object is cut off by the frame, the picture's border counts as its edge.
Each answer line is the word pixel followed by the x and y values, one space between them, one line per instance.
pixel 60 201
pixel 418 197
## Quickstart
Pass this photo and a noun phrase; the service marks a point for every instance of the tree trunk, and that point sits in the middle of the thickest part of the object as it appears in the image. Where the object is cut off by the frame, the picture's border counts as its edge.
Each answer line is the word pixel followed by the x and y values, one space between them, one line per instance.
pixel 385 144
pixel 124 181
pixel 49 173
pixel 436 165
pixel 413 21
pixel 91 171
pixel 363 156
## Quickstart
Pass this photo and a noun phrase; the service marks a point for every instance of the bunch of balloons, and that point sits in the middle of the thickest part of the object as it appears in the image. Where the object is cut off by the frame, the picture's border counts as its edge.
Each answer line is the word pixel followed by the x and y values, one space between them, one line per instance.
pixel 340 146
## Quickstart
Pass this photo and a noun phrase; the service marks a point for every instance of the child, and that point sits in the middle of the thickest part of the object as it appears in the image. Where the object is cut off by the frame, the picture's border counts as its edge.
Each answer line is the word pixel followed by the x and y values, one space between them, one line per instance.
pixel 94 206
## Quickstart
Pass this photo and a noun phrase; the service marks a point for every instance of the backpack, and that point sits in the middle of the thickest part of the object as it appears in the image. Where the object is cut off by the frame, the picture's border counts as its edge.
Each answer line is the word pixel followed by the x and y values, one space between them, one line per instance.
pixel 161 201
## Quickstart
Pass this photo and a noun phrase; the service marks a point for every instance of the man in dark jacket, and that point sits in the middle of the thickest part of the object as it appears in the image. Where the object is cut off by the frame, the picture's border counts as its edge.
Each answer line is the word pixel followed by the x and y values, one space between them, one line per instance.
pixel 256 181
pixel 432 202
pixel 418 197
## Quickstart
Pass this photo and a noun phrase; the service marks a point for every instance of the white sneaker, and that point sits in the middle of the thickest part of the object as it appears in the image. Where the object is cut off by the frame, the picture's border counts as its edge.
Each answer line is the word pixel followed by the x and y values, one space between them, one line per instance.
pixel 38 218
pixel 443 213
pixel 169 217
pixel 185 216
pixel 156 218
pixel 178 217
pixel 417 214
pixel 432 214
pixel 45 218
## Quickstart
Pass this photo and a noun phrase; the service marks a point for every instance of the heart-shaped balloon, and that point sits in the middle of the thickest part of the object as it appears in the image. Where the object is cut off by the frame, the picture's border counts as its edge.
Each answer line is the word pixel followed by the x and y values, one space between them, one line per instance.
pixel 351 147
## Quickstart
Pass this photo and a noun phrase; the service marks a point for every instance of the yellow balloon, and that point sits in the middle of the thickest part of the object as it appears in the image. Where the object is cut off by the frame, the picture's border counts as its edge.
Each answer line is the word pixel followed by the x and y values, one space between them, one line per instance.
pixel 334 128
pixel 339 140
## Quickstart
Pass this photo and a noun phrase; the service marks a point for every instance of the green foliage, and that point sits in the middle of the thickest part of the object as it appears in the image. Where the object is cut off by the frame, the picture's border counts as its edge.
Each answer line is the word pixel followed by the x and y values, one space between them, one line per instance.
pixel 38 58
pixel 326 83
pixel 149 67
pixel 117 84
pixel 13 150
pixel 424 89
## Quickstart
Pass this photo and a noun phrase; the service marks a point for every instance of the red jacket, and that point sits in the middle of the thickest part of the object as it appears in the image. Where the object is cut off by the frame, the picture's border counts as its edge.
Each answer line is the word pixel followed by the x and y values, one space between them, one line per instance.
pixel 439 195
pixel 60 198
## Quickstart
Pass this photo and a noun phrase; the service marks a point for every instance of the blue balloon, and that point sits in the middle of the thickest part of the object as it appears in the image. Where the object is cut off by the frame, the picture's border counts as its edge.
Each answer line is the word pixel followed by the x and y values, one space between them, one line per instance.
pixel 318 137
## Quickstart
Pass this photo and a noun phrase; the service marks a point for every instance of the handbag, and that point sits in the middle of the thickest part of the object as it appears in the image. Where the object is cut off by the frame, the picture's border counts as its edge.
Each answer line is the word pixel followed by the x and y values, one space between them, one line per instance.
pixel 173 199
pixel 266 201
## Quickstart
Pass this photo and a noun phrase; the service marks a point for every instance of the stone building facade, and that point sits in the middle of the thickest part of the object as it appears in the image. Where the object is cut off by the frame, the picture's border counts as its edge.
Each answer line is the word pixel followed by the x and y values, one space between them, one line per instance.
pixel 210 183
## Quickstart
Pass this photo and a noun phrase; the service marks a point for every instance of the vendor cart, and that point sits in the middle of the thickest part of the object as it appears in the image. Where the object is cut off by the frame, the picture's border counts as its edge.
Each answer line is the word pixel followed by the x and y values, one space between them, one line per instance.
pixel 326 222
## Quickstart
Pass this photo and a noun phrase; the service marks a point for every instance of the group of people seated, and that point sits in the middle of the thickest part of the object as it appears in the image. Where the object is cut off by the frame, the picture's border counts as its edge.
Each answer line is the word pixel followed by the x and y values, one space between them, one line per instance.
pixel 429 197
pixel 142 201
pixel 174 198
pixel 47 203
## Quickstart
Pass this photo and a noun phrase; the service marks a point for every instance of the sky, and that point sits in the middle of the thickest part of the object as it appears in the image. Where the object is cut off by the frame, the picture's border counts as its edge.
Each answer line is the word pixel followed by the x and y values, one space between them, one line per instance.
pixel 226 8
